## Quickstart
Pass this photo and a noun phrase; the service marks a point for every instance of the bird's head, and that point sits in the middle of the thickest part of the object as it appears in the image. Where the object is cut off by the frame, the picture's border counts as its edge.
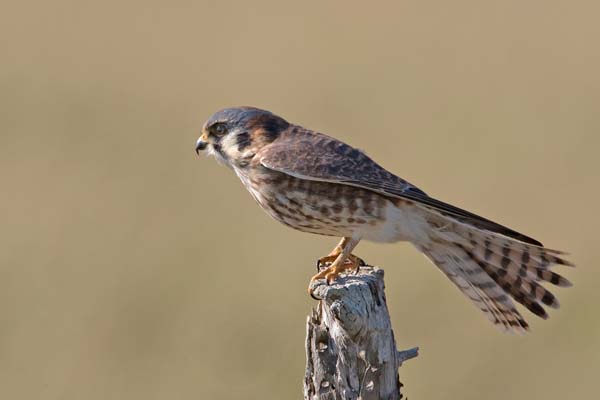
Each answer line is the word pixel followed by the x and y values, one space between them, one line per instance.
pixel 234 135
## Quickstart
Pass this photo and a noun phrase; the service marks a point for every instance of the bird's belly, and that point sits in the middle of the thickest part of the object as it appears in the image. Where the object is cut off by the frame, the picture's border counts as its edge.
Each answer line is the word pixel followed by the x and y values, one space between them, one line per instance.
pixel 326 208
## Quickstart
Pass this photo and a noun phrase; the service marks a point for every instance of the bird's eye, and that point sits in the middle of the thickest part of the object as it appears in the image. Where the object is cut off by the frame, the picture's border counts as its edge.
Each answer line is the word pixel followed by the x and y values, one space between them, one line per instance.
pixel 220 129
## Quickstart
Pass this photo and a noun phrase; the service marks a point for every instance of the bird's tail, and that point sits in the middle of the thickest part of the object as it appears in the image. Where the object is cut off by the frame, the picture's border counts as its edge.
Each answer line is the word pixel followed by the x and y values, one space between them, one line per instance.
pixel 493 270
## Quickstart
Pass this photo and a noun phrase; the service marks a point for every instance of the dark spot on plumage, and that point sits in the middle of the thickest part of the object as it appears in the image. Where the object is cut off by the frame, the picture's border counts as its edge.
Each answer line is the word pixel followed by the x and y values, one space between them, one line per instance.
pixel 560 261
pixel 350 220
pixel 352 205
pixel 525 257
pixel 333 169
pixel 467 251
pixel 532 289
pixel 488 251
pixel 507 286
pixel 506 251
pixel 314 203
pixel 243 140
pixel 360 221
pixel 267 125
pixel 282 214
pixel 295 203
pixel 519 296
pixel 324 210
pixel 514 323
pixel 523 270
pixel 548 298
pixel 219 149
pixel 368 205
pixel 270 135
pixel 517 282
pixel 329 144
pixel 554 278
pixel 415 190
pixel 337 208
pixel 502 298
pixel 354 153
pixel 324 220
pixel 537 309
pixel 505 262
pixel 487 285
pixel 275 179
pixel 540 273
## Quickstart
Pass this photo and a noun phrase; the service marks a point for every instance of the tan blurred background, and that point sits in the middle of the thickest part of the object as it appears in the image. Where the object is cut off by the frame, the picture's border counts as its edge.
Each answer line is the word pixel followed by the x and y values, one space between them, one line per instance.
pixel 131 269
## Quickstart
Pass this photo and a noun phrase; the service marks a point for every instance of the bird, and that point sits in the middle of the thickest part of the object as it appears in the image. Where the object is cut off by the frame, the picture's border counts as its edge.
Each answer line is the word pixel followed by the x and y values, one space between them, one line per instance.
pixel 315 183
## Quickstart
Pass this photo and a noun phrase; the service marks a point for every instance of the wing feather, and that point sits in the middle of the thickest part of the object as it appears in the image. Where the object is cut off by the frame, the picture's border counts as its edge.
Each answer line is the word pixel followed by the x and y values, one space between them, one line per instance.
pixel 306 154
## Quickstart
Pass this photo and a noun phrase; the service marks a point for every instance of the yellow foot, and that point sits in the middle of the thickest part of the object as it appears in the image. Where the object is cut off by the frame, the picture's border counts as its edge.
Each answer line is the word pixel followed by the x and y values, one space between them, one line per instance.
pixel 329 259
pixel 332 272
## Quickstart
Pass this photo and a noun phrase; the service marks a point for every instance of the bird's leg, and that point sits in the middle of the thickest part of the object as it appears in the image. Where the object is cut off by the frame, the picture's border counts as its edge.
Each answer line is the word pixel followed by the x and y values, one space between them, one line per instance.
pixel 342 262
pixel 330 258
pixel 333 254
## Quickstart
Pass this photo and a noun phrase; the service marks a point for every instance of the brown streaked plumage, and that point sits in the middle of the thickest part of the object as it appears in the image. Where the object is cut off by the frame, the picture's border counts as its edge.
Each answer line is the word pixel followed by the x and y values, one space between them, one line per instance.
pixel 318 184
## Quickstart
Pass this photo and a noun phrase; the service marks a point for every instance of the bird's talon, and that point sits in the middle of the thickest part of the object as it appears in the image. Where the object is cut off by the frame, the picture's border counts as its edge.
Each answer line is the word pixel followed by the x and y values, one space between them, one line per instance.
pixel 323 261
pixel 359 263
pixel 330 278
pixel 331 266
pixel 311 293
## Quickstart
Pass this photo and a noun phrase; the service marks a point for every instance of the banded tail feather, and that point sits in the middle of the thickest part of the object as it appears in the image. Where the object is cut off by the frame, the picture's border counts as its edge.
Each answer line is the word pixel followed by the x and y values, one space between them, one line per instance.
pixel 493 270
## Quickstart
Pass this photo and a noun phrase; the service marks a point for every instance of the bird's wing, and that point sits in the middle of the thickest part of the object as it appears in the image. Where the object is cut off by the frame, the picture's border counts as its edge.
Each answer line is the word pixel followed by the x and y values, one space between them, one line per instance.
pixel 309 155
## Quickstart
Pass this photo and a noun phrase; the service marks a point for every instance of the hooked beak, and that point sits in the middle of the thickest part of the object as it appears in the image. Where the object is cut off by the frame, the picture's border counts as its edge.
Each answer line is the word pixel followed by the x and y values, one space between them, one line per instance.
pixel 200 144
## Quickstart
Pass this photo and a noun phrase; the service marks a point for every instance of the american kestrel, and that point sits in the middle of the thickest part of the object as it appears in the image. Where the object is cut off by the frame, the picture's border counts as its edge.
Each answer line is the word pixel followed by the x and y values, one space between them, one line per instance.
pixel 315 183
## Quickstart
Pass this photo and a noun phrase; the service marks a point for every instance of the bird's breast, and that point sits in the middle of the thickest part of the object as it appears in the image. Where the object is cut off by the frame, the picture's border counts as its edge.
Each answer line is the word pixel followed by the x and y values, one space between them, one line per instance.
pixel 324 208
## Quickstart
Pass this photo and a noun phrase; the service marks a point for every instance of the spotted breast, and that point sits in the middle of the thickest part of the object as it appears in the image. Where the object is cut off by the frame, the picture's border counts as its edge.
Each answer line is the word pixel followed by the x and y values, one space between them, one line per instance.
pixel 326 208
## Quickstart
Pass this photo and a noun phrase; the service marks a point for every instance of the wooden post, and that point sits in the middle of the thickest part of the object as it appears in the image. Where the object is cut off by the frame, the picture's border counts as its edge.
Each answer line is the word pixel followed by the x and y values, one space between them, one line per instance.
pixel 350 348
